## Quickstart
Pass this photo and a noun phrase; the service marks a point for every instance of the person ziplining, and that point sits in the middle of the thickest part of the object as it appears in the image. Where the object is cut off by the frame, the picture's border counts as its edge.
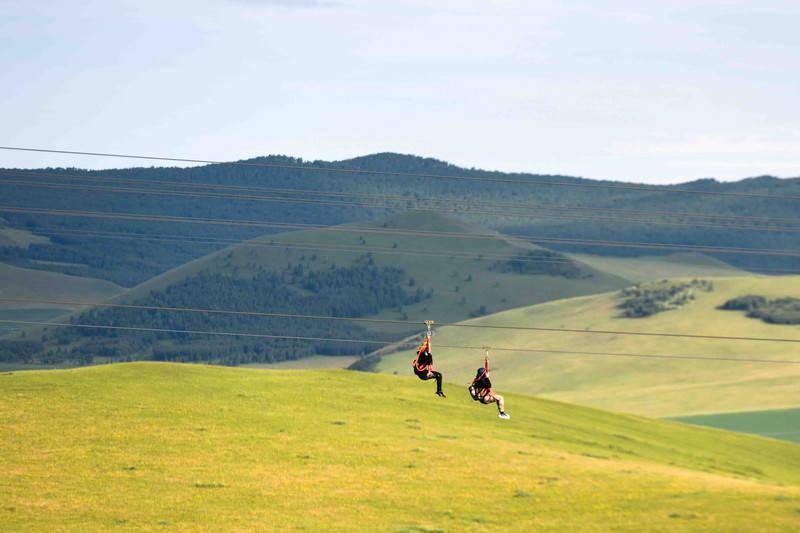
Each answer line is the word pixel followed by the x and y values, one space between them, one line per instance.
pixel 423 363
pixel 481 389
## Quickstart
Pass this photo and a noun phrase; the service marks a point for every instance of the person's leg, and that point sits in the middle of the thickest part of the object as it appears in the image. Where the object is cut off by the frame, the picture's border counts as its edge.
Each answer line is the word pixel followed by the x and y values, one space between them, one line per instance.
pixel 500 404
pixel 494 398
pixel 438 377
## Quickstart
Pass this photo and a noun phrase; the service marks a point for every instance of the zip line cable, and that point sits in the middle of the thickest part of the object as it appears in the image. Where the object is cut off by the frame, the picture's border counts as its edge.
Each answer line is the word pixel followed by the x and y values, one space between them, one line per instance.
pixel 388 343
pixel 385 197
pixel 323 247
pixel 390 321
pixel 538 215
pixel 307 168
pixel 358 249
pixel 417 233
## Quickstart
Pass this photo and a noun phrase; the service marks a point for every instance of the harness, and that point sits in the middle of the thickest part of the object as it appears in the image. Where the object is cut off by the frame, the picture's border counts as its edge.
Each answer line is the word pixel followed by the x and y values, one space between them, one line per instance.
pixel 478 394
pixel 425 346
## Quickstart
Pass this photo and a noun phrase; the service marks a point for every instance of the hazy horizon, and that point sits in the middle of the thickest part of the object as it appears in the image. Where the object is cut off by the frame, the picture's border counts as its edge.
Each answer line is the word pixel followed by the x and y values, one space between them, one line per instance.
pixel 666 92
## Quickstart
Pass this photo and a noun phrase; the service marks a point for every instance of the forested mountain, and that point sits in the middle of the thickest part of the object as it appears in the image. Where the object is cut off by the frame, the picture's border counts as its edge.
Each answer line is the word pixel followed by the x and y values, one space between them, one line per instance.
pixel 528 204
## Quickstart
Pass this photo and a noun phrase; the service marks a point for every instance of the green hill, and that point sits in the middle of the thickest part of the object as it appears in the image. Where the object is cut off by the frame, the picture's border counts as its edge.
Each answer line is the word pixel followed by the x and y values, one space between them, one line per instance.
pixel 462 282
pixel 655 387
pixel 537 205
pixel 376 272
pixel 777 424
pixel 656 267
pixel 150 446
pixel 26 283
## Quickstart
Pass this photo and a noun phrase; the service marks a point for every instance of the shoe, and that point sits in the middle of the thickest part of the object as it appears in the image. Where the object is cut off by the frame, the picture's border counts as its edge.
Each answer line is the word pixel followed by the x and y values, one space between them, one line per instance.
pixel 440 394
pixel 504 416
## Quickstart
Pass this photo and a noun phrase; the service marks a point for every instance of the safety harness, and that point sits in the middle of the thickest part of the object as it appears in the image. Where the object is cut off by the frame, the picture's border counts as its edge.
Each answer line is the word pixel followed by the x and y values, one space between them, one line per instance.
pixel 476 392
pixel 424 347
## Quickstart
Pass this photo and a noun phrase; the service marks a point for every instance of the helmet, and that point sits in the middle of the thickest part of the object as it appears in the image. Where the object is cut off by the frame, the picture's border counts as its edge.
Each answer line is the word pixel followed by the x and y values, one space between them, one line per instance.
pixel 480 372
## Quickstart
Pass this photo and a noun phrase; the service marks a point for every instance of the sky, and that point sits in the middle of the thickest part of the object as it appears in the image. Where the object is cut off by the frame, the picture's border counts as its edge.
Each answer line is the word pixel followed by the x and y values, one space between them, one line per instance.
pixel 654 92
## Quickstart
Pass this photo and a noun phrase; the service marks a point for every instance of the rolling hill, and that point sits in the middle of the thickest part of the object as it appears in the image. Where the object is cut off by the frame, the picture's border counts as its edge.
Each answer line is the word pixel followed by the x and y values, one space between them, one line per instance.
pixel 777 424
pixel 149 446
pixel 27 283
pixel 381 269
pixel 459 270
pixel 536 205
pixel 654 387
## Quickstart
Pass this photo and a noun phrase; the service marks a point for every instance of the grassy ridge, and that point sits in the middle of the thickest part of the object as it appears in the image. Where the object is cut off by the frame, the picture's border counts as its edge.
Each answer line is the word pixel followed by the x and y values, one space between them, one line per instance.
pixel 148 446
pixel 779 424
pixel 654 387
pixel 27 283
pixel 461 285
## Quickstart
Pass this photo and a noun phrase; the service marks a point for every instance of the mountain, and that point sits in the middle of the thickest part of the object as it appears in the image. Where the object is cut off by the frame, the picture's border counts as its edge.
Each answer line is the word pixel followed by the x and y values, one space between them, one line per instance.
pixel 189 447
pixel 129 252
pixel 653 387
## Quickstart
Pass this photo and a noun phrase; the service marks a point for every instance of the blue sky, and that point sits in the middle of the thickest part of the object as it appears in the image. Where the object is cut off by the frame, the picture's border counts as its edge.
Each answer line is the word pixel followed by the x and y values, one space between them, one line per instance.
pixel 661 91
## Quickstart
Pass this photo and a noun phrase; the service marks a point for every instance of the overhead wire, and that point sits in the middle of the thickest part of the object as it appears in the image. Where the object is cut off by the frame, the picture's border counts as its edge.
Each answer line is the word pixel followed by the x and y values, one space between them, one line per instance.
pixel 356 248
pixel 387 343
pixel 343 170
pixel 266 314
pixel 389 231
pixel 577 215
pixel 386 197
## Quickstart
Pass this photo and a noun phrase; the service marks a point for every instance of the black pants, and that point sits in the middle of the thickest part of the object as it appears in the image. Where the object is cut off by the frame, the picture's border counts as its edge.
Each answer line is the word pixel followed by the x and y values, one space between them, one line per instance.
pixel 425 376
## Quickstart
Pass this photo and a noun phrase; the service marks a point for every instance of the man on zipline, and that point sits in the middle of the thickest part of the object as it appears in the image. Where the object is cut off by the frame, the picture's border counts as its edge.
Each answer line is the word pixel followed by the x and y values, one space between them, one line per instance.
pixel 423 363
pixel 481 389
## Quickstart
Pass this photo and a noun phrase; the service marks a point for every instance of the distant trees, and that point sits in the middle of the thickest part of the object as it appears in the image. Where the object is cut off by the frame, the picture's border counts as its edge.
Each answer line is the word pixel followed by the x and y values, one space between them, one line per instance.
pixel 541 262
pixel 776 311
pixel 360 289
pixel 645 300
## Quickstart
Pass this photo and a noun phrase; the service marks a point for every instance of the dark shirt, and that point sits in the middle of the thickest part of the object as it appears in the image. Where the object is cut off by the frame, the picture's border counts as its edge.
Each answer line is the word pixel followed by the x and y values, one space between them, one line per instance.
pixel 483 383
pixel 424 359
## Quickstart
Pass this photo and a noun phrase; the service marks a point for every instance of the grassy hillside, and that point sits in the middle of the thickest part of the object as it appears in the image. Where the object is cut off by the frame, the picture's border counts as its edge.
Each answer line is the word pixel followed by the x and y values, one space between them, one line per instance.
pixel 536 208
pixel 27 283
pixel 360 274
pixel 146 446
pixel 18 282
pixel 656 267
pixel 461 284
pixel 778 424
pixel 19 238
pixel 654 387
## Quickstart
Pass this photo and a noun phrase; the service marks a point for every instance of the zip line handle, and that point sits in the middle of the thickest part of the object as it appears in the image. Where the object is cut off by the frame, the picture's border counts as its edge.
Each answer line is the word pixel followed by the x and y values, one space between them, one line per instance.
pixel 428 324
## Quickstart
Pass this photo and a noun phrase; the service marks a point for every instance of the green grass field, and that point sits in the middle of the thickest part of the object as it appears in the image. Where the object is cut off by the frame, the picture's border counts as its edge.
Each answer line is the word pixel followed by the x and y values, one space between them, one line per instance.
pixel 779 424
pixel 183 447
pixel 654 387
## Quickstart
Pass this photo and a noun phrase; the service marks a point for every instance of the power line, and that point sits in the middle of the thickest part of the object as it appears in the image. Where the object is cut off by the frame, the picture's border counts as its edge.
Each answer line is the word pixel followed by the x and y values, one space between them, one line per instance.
pixel 359 249
pixel 390 321
pixel 387 343
pixel 398 198
pixel 285 166
pixel 321 247
pixel 577 215
pixel 389 231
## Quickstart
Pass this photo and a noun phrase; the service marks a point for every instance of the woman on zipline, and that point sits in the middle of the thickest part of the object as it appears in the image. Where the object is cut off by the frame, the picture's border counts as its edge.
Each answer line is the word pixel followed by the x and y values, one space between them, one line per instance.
pixel 423 363
pixel 481 389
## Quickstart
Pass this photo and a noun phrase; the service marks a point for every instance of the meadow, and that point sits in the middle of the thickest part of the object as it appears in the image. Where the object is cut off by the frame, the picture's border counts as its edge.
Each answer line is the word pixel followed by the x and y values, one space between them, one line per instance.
pixel 653 387
pixel 778 424
pixel 158 446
